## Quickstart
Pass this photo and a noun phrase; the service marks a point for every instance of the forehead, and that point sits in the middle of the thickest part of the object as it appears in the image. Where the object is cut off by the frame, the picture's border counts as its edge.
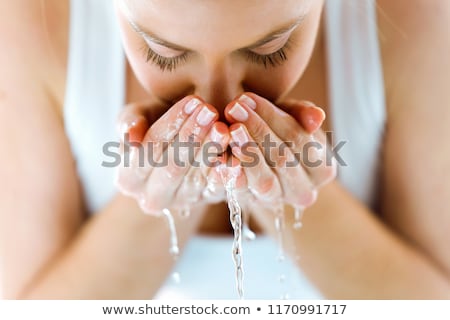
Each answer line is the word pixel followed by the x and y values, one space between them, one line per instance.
pixel 227 23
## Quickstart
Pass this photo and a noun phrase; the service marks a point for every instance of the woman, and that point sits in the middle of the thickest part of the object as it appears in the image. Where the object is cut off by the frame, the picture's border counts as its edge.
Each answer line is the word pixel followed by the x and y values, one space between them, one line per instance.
pixel 378 231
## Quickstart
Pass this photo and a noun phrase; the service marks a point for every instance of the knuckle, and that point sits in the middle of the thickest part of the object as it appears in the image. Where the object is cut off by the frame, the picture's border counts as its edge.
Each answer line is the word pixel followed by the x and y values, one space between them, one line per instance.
pixel 259 129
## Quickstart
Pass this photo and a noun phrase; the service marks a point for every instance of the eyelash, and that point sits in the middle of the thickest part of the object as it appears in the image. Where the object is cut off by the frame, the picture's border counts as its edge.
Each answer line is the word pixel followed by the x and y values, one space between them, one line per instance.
pixel 273 60
pixel 163 63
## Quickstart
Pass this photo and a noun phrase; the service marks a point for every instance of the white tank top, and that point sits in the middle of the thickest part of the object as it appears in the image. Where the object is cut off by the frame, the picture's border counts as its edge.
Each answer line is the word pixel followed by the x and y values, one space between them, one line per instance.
pixel 95 93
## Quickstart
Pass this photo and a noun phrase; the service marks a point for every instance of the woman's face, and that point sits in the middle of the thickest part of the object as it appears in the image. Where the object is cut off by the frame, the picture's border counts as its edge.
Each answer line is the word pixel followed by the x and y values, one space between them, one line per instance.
pixel 218 49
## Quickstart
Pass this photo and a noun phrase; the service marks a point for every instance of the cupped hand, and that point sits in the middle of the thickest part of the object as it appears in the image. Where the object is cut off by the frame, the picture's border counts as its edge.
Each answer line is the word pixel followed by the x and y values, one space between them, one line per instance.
pixel 282 152
pixel 160 174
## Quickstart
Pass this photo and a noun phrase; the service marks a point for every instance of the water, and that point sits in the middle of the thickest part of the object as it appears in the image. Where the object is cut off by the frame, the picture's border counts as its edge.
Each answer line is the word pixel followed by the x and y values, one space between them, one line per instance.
pixel 176 277
pixel 248 234
pixel 298 215
pixel 240 224
pixel 279 228
pixel 229 181
pixel 174 126
pixel 174 249
pixel 279 222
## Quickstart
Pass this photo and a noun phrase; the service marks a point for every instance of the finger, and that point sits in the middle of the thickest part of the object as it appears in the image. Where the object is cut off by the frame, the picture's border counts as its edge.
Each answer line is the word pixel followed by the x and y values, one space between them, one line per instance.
pixel 133 125
pixel 214 191
pixel 267 111
pixel 241 189
pixel 306 113
pixel 296 185
pixel 310 149
pixel 195 181
pixel 228 175
pixel 177 159
pixel 262 181
pixel 134 120
pixel 169 124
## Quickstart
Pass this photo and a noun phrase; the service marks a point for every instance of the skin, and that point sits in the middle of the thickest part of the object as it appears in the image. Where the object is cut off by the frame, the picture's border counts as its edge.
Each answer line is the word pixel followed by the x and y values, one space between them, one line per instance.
pixel 229 73
pixel 398 252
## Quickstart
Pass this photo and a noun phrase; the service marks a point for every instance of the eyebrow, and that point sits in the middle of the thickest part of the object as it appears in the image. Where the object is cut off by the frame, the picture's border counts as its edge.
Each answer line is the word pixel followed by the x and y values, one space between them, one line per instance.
pixel 266 39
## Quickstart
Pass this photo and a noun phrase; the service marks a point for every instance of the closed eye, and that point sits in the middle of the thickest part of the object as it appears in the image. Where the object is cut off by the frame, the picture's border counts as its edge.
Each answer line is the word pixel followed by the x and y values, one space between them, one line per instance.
pixel 273 59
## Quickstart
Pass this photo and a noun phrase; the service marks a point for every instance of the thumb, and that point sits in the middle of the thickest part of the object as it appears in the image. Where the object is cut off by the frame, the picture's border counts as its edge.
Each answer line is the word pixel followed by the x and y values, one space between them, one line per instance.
pixel 307 114
pixel 136 118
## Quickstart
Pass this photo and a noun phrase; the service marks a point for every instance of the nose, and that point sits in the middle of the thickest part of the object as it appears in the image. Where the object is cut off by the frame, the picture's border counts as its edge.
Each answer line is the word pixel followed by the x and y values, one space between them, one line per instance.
pixel 220 86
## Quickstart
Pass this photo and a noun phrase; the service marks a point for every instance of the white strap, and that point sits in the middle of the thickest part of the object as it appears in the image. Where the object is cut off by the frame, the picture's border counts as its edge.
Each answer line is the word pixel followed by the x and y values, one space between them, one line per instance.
pixel 356 92
pixel 94 93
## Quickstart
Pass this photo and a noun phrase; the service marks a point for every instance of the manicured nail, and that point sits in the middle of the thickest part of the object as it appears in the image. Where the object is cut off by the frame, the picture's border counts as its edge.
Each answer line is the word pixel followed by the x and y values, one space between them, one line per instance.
pixel 205 116
pixel 248 101
pixel 191 105
pixel 322 112
pixel 216 136
pixel 126 126
pixel 240 136
pixel 239 113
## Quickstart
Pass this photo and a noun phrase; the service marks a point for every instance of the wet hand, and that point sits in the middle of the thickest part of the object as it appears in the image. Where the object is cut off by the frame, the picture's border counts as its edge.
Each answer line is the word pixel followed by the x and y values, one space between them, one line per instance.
pixel 282 152
pixel 159 174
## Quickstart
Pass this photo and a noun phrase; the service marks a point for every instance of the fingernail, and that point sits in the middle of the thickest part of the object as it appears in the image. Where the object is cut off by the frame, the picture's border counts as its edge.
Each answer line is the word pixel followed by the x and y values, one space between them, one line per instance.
pixel 191 105
pixel 248 101
pixel 322 112
pixel 239 113
pixel 205 116
pixel 240 136
pixel 216 136
pixel 126 126
pixel 313 106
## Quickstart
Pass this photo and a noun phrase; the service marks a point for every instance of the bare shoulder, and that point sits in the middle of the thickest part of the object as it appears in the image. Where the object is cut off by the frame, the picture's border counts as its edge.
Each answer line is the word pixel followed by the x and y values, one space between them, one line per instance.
pixel 41 206
pixel 35 35
pixel 415 41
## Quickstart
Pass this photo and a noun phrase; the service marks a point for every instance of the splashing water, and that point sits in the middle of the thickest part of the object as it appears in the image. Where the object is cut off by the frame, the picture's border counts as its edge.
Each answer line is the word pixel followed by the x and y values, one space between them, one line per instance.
pixel 176 277
pixel 240 224
pixel 279 227
pixel 279 222
pixel 248 234
pixel 298 215
pixel 229 181
pixel 174 250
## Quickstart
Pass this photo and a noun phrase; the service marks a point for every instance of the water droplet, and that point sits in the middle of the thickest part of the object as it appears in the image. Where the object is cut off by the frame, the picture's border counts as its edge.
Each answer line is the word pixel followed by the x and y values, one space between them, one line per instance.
pixel 249 235
pixel 174 250
pixel 279 227
pixel 298 215
pixel 298 225
pixel 176 277
pixel 284 296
